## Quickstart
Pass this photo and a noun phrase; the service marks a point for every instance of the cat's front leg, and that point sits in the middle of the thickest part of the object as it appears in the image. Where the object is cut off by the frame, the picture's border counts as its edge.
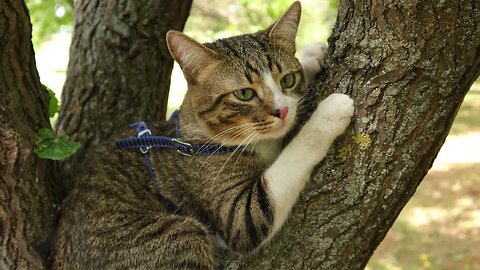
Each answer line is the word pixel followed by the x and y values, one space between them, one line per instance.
pixel 252 210
pixel 288 175
pixel 313 60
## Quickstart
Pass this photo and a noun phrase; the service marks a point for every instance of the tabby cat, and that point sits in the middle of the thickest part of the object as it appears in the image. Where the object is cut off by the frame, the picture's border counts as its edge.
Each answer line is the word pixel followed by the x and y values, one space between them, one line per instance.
pixel 242 91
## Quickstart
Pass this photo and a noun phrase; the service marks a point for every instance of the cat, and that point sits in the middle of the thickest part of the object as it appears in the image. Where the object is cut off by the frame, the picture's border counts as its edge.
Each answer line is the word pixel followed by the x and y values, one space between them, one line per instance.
pixel 243 92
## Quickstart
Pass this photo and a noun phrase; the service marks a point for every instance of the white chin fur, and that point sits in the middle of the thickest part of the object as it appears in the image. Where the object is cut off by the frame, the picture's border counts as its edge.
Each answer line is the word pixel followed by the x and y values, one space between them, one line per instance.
pixel 281 127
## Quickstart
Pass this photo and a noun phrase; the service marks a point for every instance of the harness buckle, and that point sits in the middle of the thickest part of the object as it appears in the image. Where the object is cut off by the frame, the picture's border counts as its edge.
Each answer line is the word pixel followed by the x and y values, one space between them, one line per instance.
pixel 145 132
pixel 145 149
pixel 188 151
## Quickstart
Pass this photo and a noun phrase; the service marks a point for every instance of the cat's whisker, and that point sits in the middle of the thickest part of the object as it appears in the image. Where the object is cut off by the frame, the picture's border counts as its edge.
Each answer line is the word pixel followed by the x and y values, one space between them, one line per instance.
pixel 232 138
pixel 300 108
pixel 303 100
pixel 236 135
pixel 255 141
pixel 254 138
pixel 230 156
pixel 306 98
pixel 223 133
pixel 241 152
pixel 246 146
pixel 253 149
pixel 305 103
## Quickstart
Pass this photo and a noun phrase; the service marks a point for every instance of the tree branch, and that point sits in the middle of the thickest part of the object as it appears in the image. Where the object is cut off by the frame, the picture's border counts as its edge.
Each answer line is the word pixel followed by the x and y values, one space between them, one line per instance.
pixel 407 66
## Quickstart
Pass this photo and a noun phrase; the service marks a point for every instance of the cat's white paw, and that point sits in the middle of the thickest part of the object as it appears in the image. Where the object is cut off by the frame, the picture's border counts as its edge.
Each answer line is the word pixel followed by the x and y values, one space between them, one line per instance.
pixel 313 60
pixel 333 114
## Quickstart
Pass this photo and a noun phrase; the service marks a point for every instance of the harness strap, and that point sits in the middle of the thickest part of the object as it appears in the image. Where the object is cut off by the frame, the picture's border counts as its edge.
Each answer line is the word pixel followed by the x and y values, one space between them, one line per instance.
pixel 169 205
pixel 147 142
pixel 144 141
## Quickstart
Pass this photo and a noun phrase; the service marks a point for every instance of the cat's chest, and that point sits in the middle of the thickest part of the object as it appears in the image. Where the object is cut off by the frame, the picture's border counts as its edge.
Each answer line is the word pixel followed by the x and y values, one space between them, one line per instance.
pixel 267 150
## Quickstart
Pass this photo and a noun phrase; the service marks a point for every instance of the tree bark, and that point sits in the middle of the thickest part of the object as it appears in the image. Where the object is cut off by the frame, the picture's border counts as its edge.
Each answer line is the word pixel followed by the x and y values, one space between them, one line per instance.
pixel 29 192
pixel 408 66
pixel 119 69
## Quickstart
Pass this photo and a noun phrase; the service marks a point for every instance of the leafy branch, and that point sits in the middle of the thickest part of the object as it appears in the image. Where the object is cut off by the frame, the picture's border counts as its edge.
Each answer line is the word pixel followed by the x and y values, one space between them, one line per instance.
pixel 49 146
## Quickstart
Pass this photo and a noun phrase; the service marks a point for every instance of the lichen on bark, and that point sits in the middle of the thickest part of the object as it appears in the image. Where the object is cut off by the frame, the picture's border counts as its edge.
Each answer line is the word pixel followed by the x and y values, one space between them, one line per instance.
pixel 407 65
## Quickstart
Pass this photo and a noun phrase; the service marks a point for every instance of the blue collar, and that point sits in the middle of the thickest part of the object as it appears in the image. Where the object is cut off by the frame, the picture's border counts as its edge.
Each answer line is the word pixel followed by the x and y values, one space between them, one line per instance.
pixel 144 141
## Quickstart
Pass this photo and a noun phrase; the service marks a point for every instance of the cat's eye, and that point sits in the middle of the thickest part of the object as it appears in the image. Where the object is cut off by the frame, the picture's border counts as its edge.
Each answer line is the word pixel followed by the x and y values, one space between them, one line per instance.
pixel 244 94
pixel 287 81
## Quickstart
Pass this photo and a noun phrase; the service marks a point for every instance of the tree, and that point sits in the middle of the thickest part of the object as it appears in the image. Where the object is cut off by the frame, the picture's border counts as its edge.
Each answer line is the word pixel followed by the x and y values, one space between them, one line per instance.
pixel 119 69
pixel 407 65
pixel 29 190
pixel 30 193
pixel 48 16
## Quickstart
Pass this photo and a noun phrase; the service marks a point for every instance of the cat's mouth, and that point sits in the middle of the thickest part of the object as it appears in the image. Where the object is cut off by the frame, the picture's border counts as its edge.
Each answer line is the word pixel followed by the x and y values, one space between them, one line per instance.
pixel 267 130
pixel 276 128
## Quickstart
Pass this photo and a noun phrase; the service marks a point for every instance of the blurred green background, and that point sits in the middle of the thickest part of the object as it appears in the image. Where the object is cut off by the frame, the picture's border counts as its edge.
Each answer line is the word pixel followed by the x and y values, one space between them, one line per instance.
pixel 438 229
pixel 208 20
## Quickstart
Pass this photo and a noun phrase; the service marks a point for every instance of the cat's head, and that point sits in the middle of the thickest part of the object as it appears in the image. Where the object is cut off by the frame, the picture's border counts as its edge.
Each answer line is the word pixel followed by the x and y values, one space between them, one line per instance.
pixel 243 88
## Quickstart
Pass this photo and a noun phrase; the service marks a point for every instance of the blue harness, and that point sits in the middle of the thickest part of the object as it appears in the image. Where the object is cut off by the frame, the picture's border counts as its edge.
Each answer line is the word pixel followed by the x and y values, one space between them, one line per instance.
pixel 144 141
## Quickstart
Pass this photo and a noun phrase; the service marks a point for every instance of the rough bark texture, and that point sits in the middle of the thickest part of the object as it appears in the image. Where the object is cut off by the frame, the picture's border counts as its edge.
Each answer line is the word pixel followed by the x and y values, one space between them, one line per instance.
pixel 407 65
pixel 119 69
pixel 28 193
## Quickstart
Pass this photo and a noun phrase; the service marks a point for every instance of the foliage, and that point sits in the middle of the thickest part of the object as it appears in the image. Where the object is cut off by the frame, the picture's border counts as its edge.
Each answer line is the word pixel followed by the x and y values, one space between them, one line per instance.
pixel 256 17
pixel 211 19
pixel 50 146
pixel 48 17
pixel 53 104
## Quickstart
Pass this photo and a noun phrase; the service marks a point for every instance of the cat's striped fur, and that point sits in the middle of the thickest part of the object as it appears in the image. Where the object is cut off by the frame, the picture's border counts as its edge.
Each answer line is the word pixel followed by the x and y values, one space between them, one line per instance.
pixel 113 218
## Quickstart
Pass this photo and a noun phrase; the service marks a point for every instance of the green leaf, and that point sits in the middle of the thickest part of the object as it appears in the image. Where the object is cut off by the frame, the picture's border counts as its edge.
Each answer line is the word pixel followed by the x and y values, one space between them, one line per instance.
pixel 53 104
pixel 49 146
pixel 49 17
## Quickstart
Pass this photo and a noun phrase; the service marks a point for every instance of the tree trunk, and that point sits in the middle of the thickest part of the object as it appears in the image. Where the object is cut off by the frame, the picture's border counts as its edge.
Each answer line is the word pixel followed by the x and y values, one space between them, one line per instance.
pixel 408 66
pixel 29 193
pixel 119 69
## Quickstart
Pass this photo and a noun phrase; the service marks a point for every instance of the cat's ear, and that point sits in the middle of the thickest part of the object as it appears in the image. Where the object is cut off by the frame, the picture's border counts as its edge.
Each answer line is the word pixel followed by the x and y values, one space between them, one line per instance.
pixel 284 30
pixel 189 54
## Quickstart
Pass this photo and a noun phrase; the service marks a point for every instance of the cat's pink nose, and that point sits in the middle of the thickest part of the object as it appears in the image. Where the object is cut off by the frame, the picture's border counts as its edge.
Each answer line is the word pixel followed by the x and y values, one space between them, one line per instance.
pixel 281 113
